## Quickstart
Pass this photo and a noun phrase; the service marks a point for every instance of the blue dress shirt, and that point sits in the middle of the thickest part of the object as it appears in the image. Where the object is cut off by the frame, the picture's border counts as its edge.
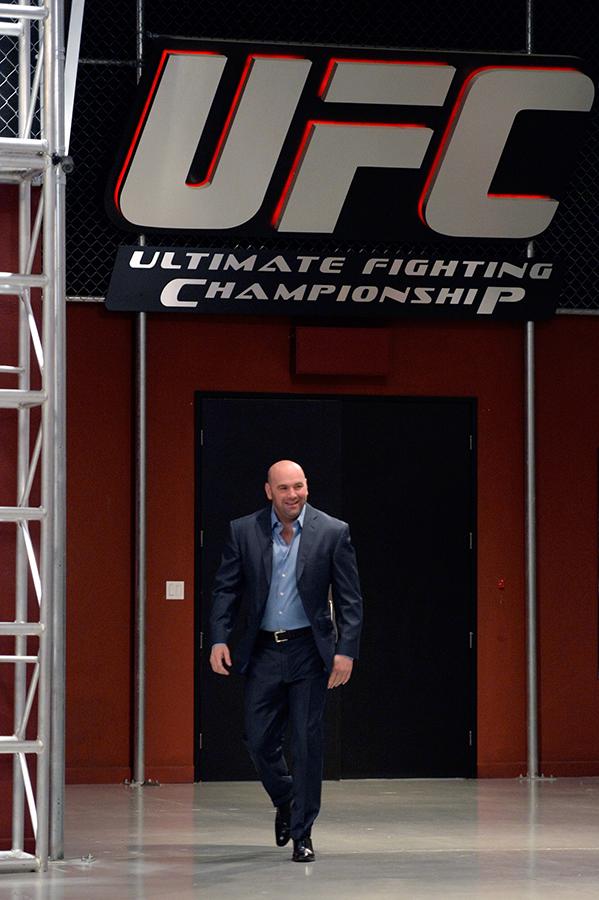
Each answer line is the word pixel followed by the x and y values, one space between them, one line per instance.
pixel 284 609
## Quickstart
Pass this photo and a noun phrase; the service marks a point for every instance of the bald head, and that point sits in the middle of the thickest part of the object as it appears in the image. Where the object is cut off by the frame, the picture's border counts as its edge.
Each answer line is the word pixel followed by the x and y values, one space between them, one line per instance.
pixel 286 486
pixel 284 468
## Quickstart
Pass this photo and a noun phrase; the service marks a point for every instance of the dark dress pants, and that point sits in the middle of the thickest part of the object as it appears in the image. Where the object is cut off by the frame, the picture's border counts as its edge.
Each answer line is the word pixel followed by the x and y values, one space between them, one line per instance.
pixel 286 684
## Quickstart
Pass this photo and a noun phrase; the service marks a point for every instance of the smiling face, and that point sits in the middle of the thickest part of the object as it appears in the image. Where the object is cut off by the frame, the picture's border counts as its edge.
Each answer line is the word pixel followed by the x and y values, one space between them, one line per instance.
pixel 287 488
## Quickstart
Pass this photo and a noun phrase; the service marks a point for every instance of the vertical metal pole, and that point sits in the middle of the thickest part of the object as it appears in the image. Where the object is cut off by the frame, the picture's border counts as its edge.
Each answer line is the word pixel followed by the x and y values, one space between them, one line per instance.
pixel 57 764
pixel 531 559
pixel 140 554
pixel 140 506
pixel 531 520
pixel 48 450
pixel 24 418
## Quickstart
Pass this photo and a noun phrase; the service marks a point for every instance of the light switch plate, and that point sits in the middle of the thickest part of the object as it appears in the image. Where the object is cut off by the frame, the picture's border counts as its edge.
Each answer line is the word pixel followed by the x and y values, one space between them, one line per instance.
pixel 175 590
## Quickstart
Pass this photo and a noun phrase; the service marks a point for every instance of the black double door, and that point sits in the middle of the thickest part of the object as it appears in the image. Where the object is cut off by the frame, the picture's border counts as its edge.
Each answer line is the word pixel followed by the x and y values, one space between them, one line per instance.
pixel 401 472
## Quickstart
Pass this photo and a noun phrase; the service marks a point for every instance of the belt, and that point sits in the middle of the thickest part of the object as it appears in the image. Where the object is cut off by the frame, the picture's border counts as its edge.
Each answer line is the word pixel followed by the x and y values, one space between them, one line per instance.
pixel 279 637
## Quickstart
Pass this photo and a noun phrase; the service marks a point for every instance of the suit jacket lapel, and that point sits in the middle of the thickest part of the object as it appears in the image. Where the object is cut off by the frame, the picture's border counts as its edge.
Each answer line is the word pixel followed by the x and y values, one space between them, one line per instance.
pixel 264 535
pixel 307 540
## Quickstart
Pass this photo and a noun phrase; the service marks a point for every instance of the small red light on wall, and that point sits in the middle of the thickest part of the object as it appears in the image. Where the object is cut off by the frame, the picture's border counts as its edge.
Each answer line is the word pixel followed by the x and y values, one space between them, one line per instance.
pixel 501 584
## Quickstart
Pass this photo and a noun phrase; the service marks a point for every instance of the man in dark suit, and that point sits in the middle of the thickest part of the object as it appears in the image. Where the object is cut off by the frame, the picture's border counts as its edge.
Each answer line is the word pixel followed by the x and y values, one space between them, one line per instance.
pixel 287 560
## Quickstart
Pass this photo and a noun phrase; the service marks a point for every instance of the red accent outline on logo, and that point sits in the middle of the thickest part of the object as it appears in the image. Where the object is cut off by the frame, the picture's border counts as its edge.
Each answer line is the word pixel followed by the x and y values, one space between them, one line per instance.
pixel 519 196
pixel 228 121
pixel 457 107
pixel 231 114
pixel 145 110
pixel 328 75
pixel 219 146
pixel 280 207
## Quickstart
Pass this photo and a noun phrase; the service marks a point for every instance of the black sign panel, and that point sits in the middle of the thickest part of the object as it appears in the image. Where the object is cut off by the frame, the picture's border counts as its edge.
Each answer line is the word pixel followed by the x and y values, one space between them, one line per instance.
pixel 266 283
pixel 268 140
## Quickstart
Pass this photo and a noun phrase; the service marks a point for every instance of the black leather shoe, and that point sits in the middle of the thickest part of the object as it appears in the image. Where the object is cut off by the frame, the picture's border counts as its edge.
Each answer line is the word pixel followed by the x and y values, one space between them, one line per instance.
pixel 283 824
pixel 303 851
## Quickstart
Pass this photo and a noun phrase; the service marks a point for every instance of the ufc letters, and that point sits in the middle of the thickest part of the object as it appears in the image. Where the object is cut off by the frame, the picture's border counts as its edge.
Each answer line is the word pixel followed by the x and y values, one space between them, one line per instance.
pixel 266 140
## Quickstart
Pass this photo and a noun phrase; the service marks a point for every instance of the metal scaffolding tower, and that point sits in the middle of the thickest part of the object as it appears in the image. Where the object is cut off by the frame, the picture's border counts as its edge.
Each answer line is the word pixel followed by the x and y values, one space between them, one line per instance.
pixel 32 162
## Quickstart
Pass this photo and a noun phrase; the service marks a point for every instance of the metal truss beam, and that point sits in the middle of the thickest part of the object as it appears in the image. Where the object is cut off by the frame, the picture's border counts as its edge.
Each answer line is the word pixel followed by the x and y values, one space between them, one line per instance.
pixel 30 160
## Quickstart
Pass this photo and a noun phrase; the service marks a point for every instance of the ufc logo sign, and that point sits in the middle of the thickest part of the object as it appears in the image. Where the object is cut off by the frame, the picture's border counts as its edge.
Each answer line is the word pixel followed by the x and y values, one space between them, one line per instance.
pixel 264 140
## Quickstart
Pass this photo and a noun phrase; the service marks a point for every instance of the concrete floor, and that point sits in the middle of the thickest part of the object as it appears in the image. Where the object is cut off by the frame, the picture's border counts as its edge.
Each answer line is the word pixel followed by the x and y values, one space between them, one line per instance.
pixel 374 840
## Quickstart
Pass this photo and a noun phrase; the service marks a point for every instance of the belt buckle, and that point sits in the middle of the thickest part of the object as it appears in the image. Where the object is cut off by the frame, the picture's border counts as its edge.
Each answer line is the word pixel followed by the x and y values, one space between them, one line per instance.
pixel 278 638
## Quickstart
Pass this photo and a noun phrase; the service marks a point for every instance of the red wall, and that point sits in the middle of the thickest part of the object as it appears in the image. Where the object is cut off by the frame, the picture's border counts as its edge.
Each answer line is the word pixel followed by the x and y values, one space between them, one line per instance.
pixel 186 354
pixel 100 541
pixel 8 444
pixel 568 442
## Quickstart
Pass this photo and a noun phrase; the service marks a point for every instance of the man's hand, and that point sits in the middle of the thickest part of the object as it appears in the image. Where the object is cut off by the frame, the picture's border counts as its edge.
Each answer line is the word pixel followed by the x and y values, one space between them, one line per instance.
pixel 219 655
pixel 341 673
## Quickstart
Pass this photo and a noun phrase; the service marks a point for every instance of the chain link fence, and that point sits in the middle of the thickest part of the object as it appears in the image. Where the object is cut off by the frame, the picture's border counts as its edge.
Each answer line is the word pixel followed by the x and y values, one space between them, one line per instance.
pixel 109 30
pixel 574 233
pixel 497 25
pixel 9 63
pixel 9 83
pixel 104 93
pixel 107 79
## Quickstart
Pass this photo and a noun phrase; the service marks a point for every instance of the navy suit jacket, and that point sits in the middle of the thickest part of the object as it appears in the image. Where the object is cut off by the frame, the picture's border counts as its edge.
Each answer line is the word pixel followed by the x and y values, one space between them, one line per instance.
pixel 325 558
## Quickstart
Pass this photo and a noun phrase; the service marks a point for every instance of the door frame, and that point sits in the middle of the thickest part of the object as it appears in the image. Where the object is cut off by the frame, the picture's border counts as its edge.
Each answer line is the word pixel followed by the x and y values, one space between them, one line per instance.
pixel 200 628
